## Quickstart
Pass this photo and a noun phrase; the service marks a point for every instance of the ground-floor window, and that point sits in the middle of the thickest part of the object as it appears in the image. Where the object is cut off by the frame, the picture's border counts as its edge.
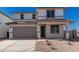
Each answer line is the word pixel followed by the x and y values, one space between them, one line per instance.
pixel 54 29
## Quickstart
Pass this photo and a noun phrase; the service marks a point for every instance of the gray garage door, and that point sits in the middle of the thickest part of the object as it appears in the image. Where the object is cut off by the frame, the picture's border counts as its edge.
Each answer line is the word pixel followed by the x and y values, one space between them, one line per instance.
pixel 24 32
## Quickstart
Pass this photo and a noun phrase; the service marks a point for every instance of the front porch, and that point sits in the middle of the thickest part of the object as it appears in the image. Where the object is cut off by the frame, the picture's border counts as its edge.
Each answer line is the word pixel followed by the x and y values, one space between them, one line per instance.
pixel 45 31
pixel 52 29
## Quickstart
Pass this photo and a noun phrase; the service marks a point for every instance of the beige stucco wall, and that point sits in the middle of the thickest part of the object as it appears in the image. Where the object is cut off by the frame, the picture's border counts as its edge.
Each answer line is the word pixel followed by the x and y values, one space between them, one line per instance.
pixel 15 16
pixel 59 12
pixel 51 35
pixel 42 13
pixel 27 16
pixel 3 31
pixel 4 19
pixel 3 27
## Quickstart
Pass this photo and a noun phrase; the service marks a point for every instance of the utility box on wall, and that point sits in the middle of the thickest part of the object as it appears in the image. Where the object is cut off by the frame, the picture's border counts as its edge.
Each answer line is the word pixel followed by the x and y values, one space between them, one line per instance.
pixel 67 35
pixel 10 32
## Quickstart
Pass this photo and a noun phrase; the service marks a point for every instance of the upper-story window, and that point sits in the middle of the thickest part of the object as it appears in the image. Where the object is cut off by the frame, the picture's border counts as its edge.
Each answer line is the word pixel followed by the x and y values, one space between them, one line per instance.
pixel 22 16
pixel 50 13
pixel 34 16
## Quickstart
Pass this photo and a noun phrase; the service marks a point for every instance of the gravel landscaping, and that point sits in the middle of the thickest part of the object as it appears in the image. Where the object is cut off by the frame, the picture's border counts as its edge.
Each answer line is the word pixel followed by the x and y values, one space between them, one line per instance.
pixel 57 46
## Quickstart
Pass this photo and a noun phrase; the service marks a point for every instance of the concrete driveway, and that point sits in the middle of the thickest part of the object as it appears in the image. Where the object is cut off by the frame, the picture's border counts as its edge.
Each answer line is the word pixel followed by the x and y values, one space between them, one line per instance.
pixel 17 45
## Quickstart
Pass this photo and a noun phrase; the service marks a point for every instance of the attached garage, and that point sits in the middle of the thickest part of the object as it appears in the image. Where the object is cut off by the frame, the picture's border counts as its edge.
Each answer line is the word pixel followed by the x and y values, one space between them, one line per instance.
pixel 24 32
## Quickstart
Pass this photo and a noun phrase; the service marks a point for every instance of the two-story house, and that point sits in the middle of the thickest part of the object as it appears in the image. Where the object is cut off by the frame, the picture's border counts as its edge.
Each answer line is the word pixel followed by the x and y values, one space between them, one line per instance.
pixel 44 23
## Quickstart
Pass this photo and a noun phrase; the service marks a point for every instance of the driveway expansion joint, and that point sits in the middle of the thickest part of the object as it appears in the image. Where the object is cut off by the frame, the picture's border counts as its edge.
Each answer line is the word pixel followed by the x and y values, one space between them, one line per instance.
pixel 9 46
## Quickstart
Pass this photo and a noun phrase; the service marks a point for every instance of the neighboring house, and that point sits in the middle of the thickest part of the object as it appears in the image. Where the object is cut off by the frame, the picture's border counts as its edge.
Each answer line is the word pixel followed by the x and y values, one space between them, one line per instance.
pixel 44 23
pixel 3 27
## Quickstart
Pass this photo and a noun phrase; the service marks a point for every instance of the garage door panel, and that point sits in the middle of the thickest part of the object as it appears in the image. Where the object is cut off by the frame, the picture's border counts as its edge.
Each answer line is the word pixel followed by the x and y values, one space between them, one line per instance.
pixel 24 32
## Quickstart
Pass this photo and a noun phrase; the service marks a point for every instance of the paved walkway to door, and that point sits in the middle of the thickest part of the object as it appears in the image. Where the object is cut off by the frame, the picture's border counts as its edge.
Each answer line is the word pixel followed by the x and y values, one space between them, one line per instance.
pixel 17 45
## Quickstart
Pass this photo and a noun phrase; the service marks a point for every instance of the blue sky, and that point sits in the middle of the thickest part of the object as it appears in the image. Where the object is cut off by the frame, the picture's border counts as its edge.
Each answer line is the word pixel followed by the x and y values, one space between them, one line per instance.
pixel 71 13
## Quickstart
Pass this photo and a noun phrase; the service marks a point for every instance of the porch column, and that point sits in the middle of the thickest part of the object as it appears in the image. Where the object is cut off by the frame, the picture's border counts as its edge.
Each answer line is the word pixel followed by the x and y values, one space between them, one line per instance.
pixel 67 31
pixel 38 32
pixel 10 31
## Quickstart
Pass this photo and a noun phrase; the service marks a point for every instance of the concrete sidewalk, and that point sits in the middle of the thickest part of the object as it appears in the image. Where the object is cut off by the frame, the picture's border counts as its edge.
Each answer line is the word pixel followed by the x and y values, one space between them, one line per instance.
pixel 17 45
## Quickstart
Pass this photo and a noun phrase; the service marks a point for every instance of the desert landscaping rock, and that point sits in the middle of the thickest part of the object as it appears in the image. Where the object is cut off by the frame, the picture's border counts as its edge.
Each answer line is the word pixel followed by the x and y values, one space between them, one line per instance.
pixel 57 46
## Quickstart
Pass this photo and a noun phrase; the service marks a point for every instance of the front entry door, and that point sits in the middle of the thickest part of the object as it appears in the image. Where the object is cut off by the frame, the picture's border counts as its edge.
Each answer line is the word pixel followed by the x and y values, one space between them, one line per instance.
pixel 42 31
